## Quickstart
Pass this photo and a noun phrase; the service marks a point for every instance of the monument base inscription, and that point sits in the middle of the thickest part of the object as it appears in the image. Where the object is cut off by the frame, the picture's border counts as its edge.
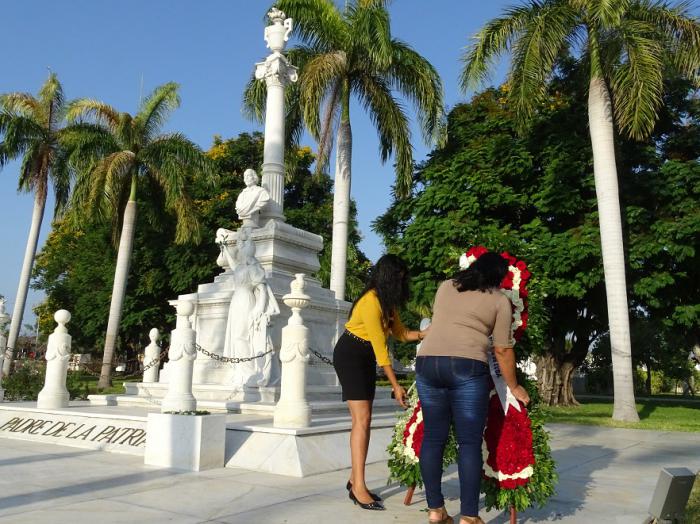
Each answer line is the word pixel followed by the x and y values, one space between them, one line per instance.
pixel 116 433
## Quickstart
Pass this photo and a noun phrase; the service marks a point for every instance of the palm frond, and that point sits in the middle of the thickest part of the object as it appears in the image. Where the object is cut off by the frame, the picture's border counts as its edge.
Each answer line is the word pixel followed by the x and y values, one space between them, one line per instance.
pixel 331 113
pixel 603 13
pixel 254 98
pixel 118 166
pixel 417 79
pixel 62 174
pixel 170 160
pixel 392 127
pixel 52 101
pixel 86 109
pixel 21 104
pixel 155 110
pixel 32 176
pixel 370 28
pixel 535 52
pixel 318 23
pixel 19 133
pixel 637 82
pixel 317 77
pixel 677 28
pixel 491 42
pixel 85 142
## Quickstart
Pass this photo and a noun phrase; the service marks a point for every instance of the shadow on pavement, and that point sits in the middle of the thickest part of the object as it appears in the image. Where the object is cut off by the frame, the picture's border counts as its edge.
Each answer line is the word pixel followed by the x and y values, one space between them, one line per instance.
pixel 575 466
pixel 92 486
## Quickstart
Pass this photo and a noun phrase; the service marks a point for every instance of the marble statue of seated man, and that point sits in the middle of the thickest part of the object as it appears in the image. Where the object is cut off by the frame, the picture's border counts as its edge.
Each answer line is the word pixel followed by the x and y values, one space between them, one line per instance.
pixel 251 200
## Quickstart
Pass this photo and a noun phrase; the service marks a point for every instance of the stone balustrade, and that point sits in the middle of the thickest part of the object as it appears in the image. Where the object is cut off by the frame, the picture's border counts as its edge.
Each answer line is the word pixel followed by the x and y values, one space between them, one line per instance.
pixel 55 395
pixel 292 410
pixel 151 357
pixel 181 356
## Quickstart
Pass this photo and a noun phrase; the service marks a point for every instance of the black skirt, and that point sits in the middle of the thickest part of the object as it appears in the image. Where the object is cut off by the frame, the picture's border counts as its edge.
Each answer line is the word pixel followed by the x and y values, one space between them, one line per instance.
pixel 356 367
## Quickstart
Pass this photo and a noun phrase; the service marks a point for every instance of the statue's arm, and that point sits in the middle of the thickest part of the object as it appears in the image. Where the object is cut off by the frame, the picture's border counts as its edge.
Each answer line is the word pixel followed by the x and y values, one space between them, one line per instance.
pixel 260 299
pixel 229 252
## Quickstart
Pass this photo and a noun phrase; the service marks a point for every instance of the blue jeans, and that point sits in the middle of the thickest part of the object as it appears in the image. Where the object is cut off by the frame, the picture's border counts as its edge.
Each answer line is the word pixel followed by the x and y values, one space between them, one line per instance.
pixel 455 391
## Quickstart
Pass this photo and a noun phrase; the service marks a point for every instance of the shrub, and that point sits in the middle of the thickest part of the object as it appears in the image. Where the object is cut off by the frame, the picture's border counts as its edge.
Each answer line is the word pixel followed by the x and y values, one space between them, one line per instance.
pixel 26 381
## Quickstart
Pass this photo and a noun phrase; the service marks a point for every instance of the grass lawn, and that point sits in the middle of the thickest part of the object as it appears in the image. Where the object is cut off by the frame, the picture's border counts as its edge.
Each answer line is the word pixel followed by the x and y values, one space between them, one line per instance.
pixel 653 414
pixel 117 387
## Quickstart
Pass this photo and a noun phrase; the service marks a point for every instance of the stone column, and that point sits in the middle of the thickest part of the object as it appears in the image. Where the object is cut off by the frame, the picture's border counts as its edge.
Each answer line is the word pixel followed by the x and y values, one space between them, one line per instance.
pixel 182 353
pixel 4 320
pixel 55 395
pixel 277 73
pixel 151 353
pixel 292 410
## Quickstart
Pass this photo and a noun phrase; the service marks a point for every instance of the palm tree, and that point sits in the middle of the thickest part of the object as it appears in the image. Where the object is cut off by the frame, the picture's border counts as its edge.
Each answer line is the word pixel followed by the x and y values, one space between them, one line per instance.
pixel 114 153
pixel 30 128
pixel 626 46
pixel 348 53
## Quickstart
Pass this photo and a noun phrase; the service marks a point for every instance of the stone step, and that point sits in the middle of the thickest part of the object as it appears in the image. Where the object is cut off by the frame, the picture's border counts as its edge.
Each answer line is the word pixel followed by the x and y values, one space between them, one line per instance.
pixel 329 407
pixel 223 393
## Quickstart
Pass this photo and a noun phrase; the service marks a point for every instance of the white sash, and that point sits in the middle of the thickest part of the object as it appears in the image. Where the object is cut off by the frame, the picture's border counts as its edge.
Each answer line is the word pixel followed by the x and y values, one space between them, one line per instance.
pixel 504 394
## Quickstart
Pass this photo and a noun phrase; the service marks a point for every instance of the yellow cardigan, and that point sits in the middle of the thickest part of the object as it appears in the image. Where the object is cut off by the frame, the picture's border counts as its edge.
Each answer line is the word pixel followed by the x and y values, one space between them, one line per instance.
pixel 366 323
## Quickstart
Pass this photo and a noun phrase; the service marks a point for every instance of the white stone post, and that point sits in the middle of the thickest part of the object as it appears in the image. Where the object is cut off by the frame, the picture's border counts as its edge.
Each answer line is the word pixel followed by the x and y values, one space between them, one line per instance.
pixel 4 320
pixel 181 355
pixel 277 73
pixel 292 410
pixel 151 353
pixel 55 395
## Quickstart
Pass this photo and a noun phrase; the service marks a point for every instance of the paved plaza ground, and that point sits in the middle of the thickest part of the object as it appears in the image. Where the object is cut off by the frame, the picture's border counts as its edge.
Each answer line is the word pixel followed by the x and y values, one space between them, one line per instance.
pixel 606 475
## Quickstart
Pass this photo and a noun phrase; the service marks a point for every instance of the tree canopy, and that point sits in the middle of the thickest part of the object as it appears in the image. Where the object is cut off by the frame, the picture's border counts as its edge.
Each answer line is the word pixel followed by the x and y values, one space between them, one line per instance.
pixel 533 194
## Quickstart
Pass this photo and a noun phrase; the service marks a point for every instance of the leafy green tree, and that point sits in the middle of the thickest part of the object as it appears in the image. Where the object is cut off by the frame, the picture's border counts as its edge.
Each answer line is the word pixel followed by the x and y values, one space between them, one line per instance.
pixel 627 46
pixel 30 128
pixel 115 153
pixel 533 194
pixel 350 52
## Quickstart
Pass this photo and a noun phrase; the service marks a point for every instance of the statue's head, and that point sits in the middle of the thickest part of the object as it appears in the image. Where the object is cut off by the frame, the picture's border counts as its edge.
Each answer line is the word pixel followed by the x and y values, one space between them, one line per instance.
pixel 250 177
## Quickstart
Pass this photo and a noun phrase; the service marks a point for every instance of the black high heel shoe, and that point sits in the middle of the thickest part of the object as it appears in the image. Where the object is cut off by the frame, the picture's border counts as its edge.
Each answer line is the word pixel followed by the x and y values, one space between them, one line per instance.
pixel 374 505
pixel 376 497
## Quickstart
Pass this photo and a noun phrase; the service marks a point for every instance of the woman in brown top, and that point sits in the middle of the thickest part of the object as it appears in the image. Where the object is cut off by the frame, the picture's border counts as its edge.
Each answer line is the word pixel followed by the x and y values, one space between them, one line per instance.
pixel 452 376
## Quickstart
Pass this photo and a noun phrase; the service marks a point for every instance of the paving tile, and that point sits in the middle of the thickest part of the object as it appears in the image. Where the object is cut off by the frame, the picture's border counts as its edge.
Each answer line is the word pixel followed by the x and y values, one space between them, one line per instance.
pixel 606 476
pixel 99 511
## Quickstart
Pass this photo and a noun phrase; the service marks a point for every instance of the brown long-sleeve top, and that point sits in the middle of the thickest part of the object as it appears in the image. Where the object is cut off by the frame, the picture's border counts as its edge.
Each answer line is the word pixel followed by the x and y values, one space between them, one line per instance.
pixel 462 323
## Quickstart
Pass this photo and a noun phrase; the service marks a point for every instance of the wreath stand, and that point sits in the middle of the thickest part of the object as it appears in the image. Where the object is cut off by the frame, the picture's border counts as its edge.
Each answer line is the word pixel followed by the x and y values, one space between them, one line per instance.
pixel 411 490
pixel 409 495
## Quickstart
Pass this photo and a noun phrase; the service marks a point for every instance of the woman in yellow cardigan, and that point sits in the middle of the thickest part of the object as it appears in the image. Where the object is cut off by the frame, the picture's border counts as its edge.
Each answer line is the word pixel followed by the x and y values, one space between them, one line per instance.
pixel 373 317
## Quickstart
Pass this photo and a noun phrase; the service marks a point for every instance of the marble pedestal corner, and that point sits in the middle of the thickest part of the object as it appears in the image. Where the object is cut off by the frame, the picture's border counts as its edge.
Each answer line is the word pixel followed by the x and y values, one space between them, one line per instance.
pixel 187 442
pixel 301 452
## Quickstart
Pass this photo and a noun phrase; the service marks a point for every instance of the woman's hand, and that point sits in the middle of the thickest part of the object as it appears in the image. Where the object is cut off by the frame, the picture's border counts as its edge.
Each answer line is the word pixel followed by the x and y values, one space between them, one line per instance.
pixel 423 333
pixel 400 395
pixel 520 393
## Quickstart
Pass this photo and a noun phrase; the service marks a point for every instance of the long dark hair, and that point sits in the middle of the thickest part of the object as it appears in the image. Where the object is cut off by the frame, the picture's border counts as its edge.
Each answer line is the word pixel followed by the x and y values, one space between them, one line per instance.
pixel 389 278
pixel 486 273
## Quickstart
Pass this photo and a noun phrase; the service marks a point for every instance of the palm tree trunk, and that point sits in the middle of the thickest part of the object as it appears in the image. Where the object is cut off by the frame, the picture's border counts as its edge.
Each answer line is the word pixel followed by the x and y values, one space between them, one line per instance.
pixel 121 275
pixel 21 300
pixel 341 202
pixel 602 139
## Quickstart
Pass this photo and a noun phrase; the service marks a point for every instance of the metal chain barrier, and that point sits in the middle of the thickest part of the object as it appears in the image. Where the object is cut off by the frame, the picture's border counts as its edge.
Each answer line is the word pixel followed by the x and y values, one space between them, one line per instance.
pixel 155 360
pixel 320 357
pixel 231 360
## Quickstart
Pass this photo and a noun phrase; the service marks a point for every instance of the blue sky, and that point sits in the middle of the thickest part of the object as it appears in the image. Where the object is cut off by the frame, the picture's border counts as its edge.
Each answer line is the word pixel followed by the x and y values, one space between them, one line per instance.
pixel 107 49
